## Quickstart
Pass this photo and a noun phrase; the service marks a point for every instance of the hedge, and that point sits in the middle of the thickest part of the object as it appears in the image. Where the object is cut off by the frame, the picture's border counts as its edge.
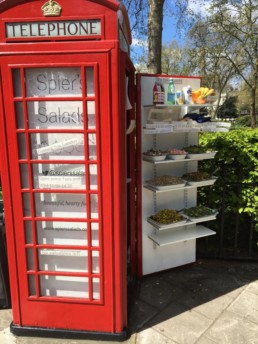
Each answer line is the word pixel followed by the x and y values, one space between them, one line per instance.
pixel 236 189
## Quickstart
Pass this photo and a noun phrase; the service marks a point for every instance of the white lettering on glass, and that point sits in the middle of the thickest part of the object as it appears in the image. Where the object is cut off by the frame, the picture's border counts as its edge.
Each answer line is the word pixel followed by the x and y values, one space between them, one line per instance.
pixel 50 82
pixel 59 145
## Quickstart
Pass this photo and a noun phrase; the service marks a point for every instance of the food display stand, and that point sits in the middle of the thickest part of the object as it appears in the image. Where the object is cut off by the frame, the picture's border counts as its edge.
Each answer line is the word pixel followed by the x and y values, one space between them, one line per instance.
pixel 66 104
pixel 164 127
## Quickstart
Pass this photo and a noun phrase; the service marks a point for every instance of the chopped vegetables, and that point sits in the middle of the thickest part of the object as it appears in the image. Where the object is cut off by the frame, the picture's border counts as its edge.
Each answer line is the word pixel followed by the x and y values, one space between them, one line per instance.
pixel 198 211
pixel 167 216
pixel 154 152
pixel 195 149
pixel 165 180
pixel 175 151
pixel 196 176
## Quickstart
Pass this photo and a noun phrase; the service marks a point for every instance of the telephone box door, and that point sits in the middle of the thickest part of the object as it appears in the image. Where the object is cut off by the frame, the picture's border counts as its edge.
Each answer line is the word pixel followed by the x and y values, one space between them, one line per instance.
pixel 58 141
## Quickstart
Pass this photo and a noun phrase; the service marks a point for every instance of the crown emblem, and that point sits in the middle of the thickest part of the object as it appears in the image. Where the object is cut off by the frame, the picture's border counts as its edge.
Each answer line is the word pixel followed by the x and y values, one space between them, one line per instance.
pixel 51 9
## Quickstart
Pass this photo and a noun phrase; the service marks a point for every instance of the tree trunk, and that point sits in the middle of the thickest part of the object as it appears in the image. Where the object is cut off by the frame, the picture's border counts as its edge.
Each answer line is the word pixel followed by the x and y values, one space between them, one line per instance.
pixel 155 20
pixel 252 108
pixel 253 97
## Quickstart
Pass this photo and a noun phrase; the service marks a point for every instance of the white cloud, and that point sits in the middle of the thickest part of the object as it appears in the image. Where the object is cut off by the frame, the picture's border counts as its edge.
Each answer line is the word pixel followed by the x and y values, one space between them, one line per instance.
pixel 136 42
pixel 200 6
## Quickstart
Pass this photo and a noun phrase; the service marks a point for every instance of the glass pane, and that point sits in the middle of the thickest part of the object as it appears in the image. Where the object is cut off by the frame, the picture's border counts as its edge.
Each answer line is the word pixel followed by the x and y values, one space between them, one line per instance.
pixel 95 262
pixel 24 176
pixel 90 81
pixel 28 232
pixel 26 204
pixel 19 115
pixel 93 176
pixel 52 114
pixel 22 146
pixel 94 234
pixel 30 259
pixel 96 288
pixel 92 146
pixel 62 233
pixel 57 146
pixel 32 285
pixel 94 206
pixel 53 82
pixel 58 176
pixel 65 205
pixel 64 286
pixel 17 89
pixel 91 115
pixel 63 260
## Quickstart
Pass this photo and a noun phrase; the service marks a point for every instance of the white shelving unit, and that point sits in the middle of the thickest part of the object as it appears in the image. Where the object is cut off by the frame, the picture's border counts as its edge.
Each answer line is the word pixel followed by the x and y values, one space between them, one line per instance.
pixel 165 247
pixel 168 238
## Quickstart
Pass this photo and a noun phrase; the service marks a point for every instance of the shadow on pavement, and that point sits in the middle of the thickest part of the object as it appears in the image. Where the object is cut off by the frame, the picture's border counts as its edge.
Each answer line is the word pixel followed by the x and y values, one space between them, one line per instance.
pixel 206 286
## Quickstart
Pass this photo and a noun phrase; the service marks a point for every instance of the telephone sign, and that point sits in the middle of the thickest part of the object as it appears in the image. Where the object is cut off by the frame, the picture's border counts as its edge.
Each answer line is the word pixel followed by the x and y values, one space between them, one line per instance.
pixel 84 28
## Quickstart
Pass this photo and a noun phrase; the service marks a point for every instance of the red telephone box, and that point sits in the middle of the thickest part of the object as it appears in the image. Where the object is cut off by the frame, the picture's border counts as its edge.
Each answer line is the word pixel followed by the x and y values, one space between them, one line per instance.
pixel 68 190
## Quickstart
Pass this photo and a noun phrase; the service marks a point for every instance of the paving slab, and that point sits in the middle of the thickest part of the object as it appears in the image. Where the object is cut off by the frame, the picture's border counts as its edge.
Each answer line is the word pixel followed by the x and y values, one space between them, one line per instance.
pixel 5 318
pixel 246 306
pixel 233 329
pixel 180 324
pixel 140 313
pixel 158 292
pixel 253 287
pixel 205 340
pixel 150 336
pixel 211 309
pixel 208 302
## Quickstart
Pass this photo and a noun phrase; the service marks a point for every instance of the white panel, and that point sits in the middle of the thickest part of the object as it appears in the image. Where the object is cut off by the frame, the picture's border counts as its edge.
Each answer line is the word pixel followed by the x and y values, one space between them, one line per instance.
pixel 182 251
pixel 162 258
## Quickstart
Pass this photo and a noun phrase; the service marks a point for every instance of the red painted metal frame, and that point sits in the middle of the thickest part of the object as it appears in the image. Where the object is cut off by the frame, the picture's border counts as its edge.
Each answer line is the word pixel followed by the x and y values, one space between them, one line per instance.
pixel 9 217
pixel 20 241
pixel 112 65
pixel 25 9
pixel 132 171
pixel 32 191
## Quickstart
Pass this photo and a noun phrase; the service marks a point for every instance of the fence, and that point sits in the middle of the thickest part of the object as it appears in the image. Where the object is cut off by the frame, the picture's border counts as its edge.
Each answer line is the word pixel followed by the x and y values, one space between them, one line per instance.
pixel 236 232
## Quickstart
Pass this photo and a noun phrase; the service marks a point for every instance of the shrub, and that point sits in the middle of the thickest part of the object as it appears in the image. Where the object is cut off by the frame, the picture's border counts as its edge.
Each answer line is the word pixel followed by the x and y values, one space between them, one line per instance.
pixel 236 166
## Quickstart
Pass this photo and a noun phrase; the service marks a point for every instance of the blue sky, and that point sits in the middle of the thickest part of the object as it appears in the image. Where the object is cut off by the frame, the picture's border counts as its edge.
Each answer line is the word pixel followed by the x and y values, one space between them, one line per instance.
pixel 170 32
pixel 168 35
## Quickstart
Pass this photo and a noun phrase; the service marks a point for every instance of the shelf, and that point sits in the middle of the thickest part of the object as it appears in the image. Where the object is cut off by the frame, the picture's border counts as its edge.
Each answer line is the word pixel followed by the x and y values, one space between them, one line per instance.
pixel 186 187
pixel 162 106
pixel 170 161
pixel 153 131
pixel 168 238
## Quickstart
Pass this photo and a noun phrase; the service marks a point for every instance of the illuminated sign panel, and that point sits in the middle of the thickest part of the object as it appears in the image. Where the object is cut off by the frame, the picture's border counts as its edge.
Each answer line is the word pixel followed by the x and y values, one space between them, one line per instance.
pixel 75 28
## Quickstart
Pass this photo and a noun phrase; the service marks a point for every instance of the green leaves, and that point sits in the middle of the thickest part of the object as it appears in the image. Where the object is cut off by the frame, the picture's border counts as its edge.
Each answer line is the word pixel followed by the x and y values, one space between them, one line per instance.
pixel 236 166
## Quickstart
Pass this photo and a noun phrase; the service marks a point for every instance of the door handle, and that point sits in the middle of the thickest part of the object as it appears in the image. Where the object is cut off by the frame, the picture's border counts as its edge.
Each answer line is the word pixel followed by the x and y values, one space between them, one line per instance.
pixel 131 127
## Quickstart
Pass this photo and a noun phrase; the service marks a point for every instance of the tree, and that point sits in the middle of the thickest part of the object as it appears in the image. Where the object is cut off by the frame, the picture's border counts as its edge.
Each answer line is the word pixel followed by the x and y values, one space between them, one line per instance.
pixel 152 30
pixel 155 25
pixel 228 109
pixel 174 59
pixel 236 21
pixel 155 21
pixel 205 50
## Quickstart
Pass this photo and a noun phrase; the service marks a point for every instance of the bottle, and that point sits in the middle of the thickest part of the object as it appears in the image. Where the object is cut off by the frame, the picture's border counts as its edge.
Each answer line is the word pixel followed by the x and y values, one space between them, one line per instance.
pixel 171 92
pixel 155 93
pixel 181 99
pixel 162 94
pixel 158 93
pixel 188 94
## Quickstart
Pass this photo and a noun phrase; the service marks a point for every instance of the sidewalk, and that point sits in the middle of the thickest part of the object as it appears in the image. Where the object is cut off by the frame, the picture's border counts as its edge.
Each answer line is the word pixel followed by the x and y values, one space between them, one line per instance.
pixel 204 303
